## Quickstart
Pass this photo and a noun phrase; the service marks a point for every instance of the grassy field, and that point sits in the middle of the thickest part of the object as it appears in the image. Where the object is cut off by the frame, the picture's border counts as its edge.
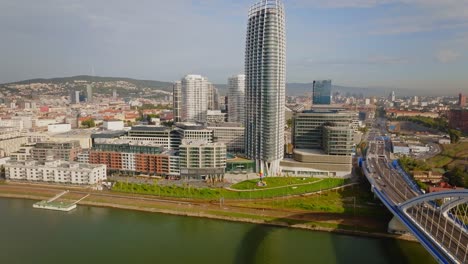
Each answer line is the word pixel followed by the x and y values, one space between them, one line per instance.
pixel 451 155
pixel 217 193
pixel 340 201
pixel 272 182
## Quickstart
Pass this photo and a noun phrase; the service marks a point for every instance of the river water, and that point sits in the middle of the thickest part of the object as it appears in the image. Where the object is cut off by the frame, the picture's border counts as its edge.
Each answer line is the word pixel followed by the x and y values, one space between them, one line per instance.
pixel 103 235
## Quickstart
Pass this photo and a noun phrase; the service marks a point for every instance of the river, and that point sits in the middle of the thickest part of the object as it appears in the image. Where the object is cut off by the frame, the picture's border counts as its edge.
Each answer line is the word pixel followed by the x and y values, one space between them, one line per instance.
pixel 103 235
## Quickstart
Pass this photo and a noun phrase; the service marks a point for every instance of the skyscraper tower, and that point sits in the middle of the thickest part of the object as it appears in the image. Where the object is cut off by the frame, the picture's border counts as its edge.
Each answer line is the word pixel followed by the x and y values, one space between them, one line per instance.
pixel 89 93
pixel 74 97
pixel 265 74
pixel 236 101
pixel 392 96
pixel 194 105
pixel 321 92
pixel 177 101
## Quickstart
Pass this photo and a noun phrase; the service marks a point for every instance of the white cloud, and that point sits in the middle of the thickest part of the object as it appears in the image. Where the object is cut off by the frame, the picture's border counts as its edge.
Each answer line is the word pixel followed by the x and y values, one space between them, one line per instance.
pixel 446 56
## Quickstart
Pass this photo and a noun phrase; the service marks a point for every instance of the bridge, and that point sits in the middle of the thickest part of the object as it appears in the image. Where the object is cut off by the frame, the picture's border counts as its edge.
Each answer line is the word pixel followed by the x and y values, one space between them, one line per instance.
pixel 438 220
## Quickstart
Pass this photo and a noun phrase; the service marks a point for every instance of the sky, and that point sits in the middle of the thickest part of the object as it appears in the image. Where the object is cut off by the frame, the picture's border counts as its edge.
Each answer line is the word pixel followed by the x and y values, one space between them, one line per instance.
pixel 410 44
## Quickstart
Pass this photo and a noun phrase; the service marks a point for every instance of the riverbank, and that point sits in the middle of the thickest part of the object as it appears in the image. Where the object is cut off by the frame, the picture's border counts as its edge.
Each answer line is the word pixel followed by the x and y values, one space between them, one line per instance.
pixel 282 217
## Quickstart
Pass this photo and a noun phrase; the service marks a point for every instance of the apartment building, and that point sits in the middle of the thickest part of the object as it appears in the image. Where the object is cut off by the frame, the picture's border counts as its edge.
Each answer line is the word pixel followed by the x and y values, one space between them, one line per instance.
pixel 203 160
pixel 55 171
pixel 67 151
pixel 133 157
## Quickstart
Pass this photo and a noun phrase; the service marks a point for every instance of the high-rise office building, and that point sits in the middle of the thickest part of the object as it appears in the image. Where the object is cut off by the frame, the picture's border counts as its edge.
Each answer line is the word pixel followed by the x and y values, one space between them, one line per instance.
pixel 328 129
pixel 321 93
pixel 461 100
pixel 114 93
pixel 194 89
pixel 265 68
pixel 236 101
pixel 74 97
pixel 89 93
pixel 177 101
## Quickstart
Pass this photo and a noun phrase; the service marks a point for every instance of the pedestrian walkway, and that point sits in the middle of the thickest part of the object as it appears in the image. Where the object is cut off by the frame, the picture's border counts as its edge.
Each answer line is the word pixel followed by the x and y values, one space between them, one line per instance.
pixel 273 188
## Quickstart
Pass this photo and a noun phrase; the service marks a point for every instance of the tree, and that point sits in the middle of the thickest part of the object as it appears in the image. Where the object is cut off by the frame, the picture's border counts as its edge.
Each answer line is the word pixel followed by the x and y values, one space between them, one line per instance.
pixel 88 123
pixel 456 177
pixel 455 135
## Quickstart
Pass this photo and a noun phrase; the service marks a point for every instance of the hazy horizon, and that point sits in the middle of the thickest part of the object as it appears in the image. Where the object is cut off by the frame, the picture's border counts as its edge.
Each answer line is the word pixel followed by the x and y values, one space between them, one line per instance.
pixel 401 44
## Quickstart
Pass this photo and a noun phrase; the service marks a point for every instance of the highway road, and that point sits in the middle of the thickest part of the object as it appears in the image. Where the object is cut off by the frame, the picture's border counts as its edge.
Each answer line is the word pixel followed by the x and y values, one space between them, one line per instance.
pixel 427 217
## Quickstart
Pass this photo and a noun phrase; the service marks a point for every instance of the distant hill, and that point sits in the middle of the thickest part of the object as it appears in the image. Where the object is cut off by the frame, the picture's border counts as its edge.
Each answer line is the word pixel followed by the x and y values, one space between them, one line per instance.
pixel 292 89
pixel 166 86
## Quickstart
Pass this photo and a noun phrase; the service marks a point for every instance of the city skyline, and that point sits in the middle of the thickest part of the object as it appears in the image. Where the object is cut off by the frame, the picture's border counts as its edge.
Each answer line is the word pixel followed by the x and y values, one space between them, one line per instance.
pixel 356 43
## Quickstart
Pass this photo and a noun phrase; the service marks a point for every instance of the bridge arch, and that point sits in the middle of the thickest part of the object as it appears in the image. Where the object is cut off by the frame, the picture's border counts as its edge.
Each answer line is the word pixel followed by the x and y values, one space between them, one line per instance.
pixel 433 196
pixel 443 217
pixel 453 203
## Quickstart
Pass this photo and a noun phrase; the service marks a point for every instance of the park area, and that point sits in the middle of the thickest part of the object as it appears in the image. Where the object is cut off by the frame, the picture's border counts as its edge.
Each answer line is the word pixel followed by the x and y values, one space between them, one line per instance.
pixel 273 187
pixel 452 155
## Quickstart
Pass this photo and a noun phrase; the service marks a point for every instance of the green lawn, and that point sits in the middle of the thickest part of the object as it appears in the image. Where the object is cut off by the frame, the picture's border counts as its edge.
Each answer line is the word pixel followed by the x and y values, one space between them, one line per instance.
pixel 272 182
pixel 340 201
pixel 451 155
pixel 216 193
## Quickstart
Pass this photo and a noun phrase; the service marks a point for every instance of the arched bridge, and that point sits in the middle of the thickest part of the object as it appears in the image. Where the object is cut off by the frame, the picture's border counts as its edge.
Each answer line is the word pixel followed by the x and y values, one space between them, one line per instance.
pixel 438 220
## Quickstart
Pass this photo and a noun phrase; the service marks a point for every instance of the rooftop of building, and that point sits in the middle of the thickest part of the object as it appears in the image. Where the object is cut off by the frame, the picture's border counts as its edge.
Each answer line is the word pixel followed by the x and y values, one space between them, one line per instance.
pixel 225 125
pixel 44 143
pixel 53 164
pixel 118 141
pixel 149 128
pixel 400 144
pixel 328 110
pixel 76 133
pixel 190 126
pixel 200 143
pixel 108 134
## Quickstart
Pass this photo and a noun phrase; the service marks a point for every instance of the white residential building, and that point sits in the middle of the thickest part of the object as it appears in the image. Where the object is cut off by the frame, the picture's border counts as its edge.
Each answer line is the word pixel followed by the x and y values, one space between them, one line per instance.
pixel 55 171
pixel 194 93
pixel 201 159
pixel 11 140
pixel 215 116
pixel 113 125
pixel 58 128
pixel 16 123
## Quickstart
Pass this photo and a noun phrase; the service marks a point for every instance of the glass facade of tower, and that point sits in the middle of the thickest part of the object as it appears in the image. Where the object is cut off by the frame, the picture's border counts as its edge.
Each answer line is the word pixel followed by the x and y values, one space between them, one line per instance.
pixel 321 92
pixel 327 129
pixel 265 69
